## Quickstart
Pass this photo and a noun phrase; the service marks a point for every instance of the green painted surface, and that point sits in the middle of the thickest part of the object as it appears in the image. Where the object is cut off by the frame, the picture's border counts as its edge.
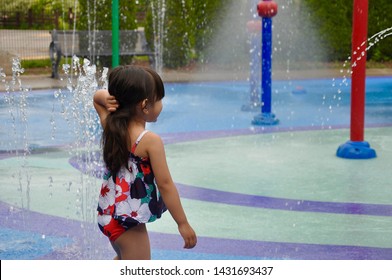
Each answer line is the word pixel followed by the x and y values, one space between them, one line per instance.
pixel 297 165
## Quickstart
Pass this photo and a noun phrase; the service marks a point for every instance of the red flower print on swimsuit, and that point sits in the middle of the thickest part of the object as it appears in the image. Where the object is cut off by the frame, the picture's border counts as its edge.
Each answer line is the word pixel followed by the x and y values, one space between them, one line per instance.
pixel 146 169
pixel 107 194
pixel 112 228
pixel 104 190
pixel 109 210
pixel 133 210
pixel 122 189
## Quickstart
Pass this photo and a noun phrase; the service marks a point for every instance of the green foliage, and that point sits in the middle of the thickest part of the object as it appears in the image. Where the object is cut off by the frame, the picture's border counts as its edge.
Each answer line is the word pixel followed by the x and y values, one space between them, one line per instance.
pixel 177 40
pixel 189 26
pixel 45 14
pixel 98 15
pixel 333 21
pixel 14 5
pixel 380 18
pixel 36 63
pixel 207 15
pixel 40 63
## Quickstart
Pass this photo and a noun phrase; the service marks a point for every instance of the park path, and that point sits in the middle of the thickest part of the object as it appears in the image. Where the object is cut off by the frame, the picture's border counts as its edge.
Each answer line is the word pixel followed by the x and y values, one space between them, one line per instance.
pixel 26 44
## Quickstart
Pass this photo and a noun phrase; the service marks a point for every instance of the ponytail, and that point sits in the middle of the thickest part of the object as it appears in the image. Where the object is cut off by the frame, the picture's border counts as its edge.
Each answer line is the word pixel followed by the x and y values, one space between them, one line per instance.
pixel 115 140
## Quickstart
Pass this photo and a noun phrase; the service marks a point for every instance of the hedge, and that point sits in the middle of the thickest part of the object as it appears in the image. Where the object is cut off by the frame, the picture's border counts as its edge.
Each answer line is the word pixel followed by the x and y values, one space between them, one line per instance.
pixel 191 26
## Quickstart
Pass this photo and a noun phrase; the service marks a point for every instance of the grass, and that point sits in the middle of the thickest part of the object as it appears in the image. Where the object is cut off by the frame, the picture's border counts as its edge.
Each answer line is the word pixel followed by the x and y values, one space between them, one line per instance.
pixel 37 66
pixel 44 66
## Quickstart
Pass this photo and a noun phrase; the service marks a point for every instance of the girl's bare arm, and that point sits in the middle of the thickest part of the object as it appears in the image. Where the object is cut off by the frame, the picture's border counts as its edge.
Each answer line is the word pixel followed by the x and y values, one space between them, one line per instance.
pixel 104 104
pixel 168 189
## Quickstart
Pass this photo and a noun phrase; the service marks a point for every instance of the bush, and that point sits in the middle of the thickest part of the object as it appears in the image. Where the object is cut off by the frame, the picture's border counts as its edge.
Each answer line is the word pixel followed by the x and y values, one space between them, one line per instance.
pixel 188 28
pixel 99 17
pixel 333 20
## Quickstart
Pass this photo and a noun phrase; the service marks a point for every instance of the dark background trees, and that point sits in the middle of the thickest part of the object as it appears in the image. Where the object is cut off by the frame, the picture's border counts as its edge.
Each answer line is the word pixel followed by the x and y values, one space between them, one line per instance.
pixel 191 26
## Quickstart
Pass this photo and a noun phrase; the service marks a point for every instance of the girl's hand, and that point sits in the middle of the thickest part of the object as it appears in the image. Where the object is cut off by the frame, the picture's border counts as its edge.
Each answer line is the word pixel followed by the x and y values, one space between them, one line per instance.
pixel 111 103
pixel 188 234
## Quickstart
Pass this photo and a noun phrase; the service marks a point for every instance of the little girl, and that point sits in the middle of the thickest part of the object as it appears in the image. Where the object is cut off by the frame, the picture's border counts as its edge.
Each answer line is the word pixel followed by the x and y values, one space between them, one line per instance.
pixel 137 186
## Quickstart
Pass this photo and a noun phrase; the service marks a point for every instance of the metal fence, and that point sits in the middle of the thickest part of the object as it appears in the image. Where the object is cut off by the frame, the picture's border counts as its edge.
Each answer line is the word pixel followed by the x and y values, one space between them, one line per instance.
pixel 25 32
pixel 26 44
pixel 30 19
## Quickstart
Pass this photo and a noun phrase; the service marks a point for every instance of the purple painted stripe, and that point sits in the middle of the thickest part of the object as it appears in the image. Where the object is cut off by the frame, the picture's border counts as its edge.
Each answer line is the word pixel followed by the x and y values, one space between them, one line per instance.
pixel 89 243
pixel 279 250
pixel 204 194
pixel 231 198
pixel 211 195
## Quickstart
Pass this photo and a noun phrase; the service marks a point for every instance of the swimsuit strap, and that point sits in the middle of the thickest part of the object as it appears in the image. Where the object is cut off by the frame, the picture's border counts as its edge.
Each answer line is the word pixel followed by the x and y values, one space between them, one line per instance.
pixel 138 140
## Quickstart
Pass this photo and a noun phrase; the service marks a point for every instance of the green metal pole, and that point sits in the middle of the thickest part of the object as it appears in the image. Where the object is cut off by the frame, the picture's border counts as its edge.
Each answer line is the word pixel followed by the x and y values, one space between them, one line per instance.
pixel 115 33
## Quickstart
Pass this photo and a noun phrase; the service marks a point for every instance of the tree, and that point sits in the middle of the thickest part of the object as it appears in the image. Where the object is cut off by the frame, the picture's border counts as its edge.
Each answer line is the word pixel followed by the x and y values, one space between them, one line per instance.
pixel 333 21
pixel 188 27
pixel 98 15
pixel 380 18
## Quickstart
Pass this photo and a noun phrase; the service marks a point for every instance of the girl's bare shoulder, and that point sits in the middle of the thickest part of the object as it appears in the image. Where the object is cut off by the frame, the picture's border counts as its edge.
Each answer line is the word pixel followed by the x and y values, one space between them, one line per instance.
pixel 152 138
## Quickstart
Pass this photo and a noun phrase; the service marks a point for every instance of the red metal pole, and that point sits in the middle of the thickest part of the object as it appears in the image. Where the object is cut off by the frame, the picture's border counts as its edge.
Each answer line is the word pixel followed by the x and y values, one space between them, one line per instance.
pixel 358 67
pixel 357 148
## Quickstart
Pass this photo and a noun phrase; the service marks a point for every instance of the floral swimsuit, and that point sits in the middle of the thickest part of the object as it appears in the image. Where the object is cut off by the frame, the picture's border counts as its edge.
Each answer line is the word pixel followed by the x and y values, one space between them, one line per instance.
pixel 130 198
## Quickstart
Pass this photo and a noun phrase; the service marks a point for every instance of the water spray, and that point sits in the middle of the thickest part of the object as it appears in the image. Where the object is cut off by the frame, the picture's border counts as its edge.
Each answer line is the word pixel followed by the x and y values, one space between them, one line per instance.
pixel 253 28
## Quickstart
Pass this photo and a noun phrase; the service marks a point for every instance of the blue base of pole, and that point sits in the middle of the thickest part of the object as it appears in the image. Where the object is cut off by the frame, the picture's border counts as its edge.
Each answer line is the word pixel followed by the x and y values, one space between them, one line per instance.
pixel 356 150
pixel 265 119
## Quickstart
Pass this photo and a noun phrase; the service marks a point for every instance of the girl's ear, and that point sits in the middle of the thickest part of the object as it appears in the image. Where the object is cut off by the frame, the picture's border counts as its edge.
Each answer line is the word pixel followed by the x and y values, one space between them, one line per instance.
pixel 144 105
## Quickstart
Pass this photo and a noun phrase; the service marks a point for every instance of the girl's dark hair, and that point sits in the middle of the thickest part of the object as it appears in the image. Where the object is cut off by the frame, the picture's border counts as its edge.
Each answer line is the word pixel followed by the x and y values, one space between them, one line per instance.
pixel 129 85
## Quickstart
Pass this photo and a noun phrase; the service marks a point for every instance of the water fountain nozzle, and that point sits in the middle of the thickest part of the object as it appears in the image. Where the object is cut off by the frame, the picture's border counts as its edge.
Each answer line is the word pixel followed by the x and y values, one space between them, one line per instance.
pixel 267 8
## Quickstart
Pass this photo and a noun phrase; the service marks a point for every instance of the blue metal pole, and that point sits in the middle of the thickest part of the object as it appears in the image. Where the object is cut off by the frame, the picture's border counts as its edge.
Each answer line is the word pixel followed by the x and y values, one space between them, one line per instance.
pixel 266 9
pixel 266 61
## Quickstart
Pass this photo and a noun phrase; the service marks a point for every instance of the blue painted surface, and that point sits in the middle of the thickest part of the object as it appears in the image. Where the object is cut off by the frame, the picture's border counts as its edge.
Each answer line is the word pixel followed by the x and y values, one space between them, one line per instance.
pixel 217 106
pixel 25 245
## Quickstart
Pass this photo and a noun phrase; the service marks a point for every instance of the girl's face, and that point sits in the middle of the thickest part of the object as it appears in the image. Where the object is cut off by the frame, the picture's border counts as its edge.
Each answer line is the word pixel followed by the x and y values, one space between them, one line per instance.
pixel 154 111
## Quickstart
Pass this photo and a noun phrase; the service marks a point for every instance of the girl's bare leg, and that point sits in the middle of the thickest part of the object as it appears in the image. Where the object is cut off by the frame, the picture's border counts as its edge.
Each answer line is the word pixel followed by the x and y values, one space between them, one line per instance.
pixel 117 250
pixel 133 244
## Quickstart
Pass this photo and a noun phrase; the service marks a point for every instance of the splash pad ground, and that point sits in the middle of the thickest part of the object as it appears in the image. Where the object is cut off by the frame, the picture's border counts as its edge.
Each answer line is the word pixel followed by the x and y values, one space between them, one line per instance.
pixel 274 192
